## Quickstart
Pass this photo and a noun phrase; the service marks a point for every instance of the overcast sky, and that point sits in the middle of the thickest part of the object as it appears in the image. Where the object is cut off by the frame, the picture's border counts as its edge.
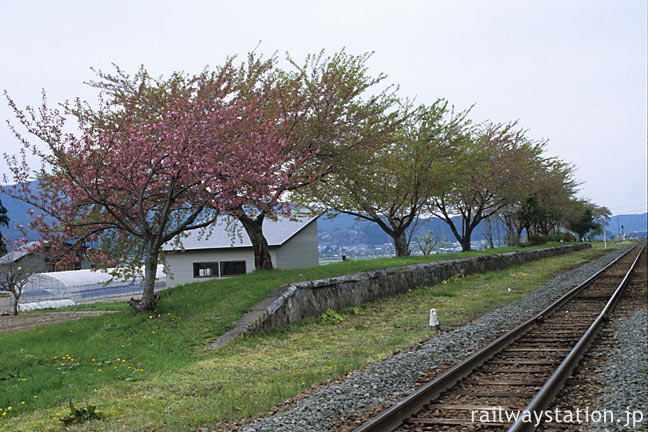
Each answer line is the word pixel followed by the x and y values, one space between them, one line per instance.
pixel 573 72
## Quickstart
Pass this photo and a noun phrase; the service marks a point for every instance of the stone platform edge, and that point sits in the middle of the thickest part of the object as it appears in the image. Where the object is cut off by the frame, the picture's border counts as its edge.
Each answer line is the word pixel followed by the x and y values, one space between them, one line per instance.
pixel 298 300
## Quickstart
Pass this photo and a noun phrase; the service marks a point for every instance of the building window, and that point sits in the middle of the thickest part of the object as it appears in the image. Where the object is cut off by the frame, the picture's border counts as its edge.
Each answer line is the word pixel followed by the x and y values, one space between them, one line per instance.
pixel 232 268
pixel 209 269
pixel 219 269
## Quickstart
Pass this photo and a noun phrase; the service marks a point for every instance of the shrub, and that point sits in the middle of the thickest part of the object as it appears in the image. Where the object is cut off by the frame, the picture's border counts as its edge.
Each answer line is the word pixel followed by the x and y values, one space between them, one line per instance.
pixel 332 317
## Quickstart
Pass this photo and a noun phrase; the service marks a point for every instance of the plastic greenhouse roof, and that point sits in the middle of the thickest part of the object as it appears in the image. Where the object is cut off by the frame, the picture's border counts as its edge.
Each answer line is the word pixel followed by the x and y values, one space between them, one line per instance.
pixel 74 278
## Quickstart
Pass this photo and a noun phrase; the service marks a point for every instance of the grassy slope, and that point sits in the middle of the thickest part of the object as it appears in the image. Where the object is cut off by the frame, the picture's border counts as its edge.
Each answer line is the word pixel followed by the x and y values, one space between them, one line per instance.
pixel 150 370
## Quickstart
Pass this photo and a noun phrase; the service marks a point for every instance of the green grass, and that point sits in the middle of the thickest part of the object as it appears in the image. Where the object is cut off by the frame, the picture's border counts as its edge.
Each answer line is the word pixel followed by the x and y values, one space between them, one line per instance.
pixel 156 374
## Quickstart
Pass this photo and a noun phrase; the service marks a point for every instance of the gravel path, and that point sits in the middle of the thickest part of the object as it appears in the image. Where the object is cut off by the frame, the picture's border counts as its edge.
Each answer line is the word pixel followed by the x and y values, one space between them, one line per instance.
pixel 390 380
pixel 626 374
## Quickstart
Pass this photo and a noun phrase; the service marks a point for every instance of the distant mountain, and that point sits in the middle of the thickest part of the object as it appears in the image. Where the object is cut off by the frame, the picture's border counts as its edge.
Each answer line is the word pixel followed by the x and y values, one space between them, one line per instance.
pixel 17 212
pixel 628 223
pixel 345 230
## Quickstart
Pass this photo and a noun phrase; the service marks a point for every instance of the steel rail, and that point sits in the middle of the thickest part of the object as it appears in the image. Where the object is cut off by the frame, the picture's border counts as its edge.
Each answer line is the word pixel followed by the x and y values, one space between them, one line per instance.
pixel 394 416
pixel 556 381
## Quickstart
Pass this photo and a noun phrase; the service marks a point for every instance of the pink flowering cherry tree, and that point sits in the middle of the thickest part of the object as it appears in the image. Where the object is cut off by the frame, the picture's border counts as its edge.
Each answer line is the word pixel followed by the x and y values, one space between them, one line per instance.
pixel 151 162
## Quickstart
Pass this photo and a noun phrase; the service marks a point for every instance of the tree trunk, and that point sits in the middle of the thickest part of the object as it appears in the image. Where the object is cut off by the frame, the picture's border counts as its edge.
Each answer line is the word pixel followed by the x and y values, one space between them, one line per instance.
pixel 400 244
pixel 489 234
pixel 465 240
pixel 467 228
pixel 149 299
pixel 254 229
pixel 15 304
pixel 518 238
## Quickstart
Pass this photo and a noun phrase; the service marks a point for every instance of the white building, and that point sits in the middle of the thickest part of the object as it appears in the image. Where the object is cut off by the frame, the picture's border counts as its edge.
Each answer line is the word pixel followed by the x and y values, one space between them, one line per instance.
pixel 227 250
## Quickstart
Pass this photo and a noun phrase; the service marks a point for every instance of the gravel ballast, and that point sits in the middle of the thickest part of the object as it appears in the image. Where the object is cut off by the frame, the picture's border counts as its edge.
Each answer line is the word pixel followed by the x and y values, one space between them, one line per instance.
pixel 626 374
pixel 389 380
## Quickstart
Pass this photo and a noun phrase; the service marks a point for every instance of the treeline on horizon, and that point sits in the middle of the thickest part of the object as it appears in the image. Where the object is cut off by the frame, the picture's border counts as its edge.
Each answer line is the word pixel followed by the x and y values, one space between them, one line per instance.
pixel 154 158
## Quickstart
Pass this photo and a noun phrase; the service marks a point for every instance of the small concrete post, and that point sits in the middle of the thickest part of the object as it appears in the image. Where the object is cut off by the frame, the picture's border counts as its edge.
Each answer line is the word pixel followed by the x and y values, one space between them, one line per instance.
pixel 434 321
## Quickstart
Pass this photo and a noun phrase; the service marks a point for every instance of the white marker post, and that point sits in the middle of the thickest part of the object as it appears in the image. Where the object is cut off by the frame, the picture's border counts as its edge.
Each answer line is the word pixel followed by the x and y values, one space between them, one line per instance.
pixel 434 321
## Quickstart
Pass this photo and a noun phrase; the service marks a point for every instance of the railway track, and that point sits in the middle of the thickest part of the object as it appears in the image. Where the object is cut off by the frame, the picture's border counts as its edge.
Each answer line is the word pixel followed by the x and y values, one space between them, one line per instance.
pixel 521 371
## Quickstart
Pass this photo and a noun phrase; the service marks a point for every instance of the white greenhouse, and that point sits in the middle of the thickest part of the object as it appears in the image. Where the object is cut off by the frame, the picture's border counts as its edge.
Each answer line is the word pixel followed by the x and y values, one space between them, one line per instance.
pixel 83 285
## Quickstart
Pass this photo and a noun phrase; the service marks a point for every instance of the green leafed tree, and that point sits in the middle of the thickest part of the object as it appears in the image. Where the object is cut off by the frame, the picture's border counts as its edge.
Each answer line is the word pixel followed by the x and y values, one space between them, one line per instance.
pixel 586 218
pixel 492 164
pixel 391 183
pixel 320 107
pixel 542 207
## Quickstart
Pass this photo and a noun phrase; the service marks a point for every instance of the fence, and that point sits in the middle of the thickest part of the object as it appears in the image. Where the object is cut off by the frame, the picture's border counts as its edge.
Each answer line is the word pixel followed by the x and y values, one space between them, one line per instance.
pixel 78 294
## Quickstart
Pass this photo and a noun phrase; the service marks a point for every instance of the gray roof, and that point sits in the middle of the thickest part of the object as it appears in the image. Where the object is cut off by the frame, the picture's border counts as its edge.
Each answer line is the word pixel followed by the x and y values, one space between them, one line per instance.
pixel 227 232
pixel 17 253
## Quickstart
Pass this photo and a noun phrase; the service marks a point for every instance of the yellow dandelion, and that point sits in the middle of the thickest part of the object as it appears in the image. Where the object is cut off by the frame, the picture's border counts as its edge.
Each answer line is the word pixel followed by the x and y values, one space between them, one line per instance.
pixel 123 361
pixel 99 370
pixel 22 402
pixel 122 346
pixel 93 360
pixel 4 414
pixel 24 379
pixel 35 396
pixel 150 316
pixel 8 408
